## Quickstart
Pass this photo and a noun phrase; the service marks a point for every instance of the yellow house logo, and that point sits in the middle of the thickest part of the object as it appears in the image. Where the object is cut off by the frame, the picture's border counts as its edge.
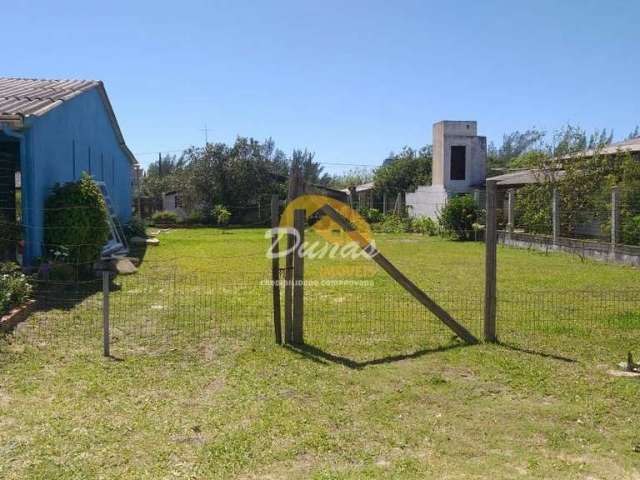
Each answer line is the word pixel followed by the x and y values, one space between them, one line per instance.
pixel 343 243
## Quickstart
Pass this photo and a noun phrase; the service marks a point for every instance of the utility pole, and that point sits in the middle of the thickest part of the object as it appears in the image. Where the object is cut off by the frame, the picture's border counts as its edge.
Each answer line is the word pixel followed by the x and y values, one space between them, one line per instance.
pixel 206 134
pixel 159 164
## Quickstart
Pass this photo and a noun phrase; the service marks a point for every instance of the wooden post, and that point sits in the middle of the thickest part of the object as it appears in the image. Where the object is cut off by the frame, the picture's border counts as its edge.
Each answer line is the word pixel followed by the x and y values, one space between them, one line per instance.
pixel 275 269
pixel 615 216
pixel 491 242
pixel 105 314
pixel 297 336
pixel 511 200
pixel 555 213
pixel 296 188
pixel 399 277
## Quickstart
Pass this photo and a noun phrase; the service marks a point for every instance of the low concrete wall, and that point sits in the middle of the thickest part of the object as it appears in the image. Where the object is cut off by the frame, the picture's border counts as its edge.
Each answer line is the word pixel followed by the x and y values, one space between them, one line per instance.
pixel 602 251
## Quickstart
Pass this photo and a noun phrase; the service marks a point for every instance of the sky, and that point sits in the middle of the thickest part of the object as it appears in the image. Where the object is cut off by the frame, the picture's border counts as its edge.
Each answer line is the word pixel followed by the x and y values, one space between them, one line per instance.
pixel 349 80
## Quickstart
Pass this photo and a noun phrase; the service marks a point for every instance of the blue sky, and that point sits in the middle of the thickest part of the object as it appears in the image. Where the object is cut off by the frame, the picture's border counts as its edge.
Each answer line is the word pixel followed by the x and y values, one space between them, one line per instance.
pixel 350 80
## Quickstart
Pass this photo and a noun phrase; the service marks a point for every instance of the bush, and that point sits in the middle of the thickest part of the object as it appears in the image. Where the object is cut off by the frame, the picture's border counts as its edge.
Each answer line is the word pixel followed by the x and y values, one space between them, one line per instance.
pixel 221 215
pixel 458 216
pixel 195 217
pixel 76 220
pixel 424 225
pixel 164 217
pixel 15 287
pixel 392 223
pixel 135 228
pixel 371 215
pixel 631 231
pixel 533 208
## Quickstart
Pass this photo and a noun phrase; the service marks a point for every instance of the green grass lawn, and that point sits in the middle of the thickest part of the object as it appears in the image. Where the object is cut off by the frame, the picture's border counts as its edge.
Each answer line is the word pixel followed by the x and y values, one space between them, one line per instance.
pixel 198 390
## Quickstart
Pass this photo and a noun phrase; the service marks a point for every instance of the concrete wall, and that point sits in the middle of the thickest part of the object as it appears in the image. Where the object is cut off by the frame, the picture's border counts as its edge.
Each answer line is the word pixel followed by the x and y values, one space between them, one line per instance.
pixel 74 137
pixel 601 251
pixel 429 200
pixel 458 133
pixel 426 201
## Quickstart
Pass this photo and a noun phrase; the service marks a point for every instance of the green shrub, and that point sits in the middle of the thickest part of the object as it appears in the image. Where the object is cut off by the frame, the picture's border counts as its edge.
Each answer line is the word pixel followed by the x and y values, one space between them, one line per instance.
pixel 424 225
pixel 135 228
pixel 15 287
pixel 196 217
pixel 221 215
pixel 76 220
pixel 11 233
pixel 164 217
pixel 392 223
pixel 371 215
pixel 533 208
pixel 458 216
pixel 631 231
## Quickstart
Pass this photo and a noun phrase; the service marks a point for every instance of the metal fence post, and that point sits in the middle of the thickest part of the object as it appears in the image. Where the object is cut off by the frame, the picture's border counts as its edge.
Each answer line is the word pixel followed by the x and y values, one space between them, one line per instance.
pixel 105 313
pixel 615 216
pixel 555 215
pixel 491 251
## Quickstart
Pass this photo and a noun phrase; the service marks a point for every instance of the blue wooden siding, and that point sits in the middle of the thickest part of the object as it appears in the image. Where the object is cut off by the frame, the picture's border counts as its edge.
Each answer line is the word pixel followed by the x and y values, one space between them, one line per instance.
pixel 74 137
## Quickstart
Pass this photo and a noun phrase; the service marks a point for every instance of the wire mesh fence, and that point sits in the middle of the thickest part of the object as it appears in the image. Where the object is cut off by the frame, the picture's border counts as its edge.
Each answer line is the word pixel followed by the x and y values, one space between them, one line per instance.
pixel 166 306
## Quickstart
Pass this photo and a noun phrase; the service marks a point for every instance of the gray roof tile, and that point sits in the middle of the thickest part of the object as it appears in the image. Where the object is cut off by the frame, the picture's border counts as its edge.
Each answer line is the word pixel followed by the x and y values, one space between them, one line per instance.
pixel 28 96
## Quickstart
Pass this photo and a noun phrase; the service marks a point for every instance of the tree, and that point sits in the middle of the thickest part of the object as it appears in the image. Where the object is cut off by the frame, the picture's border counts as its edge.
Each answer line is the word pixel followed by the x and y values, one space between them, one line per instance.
pixel 312 172
pixel 161 175
pixel 404 171
pixel 514 145
pixel 355 176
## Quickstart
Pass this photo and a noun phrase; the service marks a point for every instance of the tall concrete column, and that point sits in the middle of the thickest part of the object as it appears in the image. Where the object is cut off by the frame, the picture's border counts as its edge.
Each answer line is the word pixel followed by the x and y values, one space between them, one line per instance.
pixel 555 215
pixel 511 201
pixel 615 216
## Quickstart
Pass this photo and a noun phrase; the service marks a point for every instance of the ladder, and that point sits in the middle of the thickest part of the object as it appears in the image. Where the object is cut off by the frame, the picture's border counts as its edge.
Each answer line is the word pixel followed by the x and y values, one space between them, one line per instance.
pixel 117 243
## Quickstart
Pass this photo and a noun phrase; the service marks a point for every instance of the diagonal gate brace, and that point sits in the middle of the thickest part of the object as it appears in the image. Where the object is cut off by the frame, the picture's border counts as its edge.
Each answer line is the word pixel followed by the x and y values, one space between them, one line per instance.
pixel 399 277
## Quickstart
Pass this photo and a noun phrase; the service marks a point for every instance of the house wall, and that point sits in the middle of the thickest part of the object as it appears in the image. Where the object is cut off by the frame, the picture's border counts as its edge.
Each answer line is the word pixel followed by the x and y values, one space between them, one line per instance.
pixel 72 138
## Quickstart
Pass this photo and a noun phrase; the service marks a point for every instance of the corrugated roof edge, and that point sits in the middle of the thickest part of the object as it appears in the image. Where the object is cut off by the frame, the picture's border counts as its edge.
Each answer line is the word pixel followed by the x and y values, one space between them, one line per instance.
pixel 13 119
pixel 114 123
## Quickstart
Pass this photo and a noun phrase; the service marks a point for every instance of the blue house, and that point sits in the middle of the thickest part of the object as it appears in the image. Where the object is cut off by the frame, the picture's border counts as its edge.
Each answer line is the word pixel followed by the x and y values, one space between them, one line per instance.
pixel 50 132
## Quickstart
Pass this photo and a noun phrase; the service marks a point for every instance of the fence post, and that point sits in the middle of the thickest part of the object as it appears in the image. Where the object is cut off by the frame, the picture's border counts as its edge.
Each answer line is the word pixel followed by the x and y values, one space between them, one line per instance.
pixel 555 215
pixel 615 216
pixel 511 200
pixel 295 189
pixel 275 268
pixel 491 242
pixel 105 314
pixel 297 337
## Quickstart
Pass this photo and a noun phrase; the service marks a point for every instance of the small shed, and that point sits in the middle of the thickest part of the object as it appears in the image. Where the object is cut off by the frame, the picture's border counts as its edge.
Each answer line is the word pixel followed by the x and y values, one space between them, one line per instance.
pixel 172 202
pixel 50 132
